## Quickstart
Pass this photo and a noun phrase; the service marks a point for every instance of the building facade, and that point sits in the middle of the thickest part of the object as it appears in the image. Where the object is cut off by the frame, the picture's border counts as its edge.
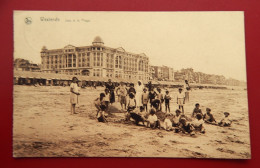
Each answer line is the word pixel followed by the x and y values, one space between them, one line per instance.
pixel 95 60
pixel 25 65
pixel 163 73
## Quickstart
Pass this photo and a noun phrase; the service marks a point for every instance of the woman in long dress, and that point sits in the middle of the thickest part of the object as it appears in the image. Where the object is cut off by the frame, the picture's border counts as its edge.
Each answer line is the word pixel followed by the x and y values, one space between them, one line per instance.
pixel 139 90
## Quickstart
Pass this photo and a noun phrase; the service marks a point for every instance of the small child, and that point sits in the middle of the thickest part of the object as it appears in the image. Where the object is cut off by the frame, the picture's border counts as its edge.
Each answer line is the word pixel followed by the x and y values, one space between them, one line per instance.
pixel 152 120
pixel 225 122
pixel 160 98
pixel 181 99
pixel 145 98
pixel 101 114
pixel 197 110
pixel 167 99
pixel 198 123
pixel 208 117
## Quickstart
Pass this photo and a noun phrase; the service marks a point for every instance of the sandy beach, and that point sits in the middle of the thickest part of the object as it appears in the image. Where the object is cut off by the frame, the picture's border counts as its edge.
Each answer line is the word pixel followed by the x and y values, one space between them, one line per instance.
pixel 44 127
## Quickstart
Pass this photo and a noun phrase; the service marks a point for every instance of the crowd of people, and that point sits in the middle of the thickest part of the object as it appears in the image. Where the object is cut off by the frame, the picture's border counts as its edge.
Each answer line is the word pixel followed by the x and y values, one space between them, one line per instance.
pixel 143 104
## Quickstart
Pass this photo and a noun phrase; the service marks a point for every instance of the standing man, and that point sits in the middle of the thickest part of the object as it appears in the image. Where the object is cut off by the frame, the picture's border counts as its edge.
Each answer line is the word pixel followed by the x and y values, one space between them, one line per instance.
pixel 187 91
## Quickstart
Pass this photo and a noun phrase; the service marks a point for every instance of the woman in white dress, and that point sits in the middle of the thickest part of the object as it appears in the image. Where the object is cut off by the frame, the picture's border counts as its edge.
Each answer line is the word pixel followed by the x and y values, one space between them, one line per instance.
pixel 139 87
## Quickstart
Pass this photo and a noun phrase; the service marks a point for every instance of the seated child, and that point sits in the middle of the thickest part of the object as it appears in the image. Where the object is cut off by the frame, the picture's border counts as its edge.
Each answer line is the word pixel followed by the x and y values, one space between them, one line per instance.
pixel 197 110
pixel 225 122
pixel 185 127
pixel 138 116
pixel 176 118
pixel 101 114
pixel 152 120
pixel 167 124
pixel 198 123
pixel 208 117
pixel 99 101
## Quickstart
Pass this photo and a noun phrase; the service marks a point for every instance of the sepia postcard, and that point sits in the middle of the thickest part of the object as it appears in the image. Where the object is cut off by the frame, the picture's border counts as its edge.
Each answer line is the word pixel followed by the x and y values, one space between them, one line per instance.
pixel 130 84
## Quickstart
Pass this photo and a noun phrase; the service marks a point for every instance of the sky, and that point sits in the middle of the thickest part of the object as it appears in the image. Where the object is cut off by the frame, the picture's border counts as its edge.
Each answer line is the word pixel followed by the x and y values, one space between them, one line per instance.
pixel 209 42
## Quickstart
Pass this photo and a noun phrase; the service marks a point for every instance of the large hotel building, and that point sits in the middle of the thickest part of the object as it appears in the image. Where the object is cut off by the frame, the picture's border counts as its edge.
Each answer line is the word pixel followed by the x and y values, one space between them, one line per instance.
pixel 95 60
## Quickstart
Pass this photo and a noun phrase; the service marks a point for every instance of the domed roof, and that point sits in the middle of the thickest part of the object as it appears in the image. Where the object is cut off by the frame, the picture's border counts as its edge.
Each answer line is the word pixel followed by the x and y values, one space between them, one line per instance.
pixel 98 40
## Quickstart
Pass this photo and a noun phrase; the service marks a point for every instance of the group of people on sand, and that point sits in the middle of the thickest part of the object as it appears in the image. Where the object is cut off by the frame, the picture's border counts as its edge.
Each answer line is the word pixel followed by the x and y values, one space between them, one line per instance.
pixel 144 105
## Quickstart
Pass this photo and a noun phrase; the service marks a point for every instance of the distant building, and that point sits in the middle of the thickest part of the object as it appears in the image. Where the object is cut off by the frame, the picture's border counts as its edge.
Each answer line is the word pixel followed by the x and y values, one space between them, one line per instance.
pixel 25 65
pixel 95 60
pixel 163 73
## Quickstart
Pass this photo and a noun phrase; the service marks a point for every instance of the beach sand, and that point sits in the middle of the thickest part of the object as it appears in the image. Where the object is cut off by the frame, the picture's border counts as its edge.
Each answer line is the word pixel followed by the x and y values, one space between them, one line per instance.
pixel 44 127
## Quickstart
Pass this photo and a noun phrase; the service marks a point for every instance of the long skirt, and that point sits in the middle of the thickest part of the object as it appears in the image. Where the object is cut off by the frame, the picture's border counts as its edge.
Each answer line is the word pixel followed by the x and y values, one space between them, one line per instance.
pixel 112 97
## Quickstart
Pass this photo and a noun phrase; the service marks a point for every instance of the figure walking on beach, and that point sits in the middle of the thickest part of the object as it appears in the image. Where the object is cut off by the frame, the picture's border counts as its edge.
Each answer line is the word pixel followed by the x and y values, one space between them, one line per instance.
pixel 110 86
pixel 139 90
pixel 74 92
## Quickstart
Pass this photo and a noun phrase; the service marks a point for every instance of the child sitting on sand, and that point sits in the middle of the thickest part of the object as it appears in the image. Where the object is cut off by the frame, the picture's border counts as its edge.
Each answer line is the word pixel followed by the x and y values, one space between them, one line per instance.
pixel 198 124
pixel 99 101
pixel 101 114
pixel 197 110
pixel 208 117
pixel 185 127
pixel 176 118
pixel 167 99
pixel 152 120
pixel 225 122
pixel 167 124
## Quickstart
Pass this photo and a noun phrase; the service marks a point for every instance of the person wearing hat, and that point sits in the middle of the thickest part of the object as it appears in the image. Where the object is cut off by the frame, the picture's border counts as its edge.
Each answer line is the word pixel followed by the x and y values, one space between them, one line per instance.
pixel 181 99
pixel 225 122
pixel 208 117
pixel 74 92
